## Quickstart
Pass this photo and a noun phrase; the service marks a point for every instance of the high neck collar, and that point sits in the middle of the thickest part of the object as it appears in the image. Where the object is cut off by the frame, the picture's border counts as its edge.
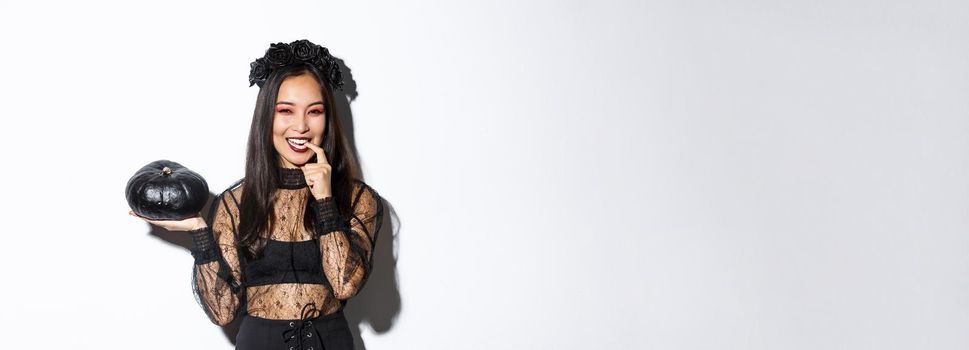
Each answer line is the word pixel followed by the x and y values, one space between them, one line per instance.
pixel 291 178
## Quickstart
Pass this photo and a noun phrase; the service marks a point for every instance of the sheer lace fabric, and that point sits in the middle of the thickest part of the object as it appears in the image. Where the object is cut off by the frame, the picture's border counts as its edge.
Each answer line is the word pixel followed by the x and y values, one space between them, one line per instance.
pixel 345 251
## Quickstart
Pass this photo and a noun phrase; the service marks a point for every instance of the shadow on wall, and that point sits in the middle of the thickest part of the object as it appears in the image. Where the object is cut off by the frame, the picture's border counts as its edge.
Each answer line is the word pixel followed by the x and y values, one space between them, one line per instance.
pixel 378 303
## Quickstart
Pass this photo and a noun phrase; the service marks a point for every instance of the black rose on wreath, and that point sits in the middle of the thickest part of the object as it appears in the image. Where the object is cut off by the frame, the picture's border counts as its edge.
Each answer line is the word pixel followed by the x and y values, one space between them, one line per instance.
pixel 334 75
pixel 258 71
pixel 279 54
pixel 304 50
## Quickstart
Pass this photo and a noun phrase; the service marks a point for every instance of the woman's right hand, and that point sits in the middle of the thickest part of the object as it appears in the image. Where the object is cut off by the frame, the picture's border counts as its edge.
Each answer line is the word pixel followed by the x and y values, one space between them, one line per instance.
pixel 192 223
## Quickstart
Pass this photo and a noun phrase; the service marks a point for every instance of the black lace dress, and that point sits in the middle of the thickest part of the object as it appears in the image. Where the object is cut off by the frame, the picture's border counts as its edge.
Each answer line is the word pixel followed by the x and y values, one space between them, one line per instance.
pixel 304 275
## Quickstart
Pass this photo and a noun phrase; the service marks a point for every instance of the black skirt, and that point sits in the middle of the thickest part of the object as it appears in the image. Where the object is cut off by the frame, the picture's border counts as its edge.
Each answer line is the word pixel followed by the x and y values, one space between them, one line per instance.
pixel 329 332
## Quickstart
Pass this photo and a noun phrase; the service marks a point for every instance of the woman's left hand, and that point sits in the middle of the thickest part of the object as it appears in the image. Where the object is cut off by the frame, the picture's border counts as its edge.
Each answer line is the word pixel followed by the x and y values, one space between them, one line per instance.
pixel 318 174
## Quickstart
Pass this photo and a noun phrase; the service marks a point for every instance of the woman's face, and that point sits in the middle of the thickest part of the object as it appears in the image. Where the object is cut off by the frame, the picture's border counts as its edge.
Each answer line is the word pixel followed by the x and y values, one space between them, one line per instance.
pixel 299 117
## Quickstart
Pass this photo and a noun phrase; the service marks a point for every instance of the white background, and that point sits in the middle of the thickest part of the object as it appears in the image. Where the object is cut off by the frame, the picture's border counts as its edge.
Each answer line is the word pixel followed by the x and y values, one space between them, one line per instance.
pixel 562 175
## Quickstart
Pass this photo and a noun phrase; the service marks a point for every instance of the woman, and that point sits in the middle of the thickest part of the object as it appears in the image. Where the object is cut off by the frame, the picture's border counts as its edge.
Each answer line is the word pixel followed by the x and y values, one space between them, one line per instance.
pixel 290 242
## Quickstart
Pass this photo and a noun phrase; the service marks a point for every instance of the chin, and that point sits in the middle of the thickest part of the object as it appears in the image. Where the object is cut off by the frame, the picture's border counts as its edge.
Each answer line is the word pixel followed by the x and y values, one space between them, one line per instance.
pixel 300 159
pixel 297 162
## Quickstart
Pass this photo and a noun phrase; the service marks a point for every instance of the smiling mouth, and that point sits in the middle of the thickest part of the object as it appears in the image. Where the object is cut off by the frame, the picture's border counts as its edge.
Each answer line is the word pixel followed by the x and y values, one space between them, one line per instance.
pixel 298 144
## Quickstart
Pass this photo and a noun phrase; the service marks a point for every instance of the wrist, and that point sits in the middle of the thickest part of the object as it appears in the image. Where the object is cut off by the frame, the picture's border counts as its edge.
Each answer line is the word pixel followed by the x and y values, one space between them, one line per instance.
pixel 327 215
pixel 197 224
pixel 203 245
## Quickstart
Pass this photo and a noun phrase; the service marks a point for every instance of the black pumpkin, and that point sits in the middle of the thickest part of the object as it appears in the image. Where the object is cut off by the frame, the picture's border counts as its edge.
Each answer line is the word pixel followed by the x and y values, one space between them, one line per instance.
pixel 165 190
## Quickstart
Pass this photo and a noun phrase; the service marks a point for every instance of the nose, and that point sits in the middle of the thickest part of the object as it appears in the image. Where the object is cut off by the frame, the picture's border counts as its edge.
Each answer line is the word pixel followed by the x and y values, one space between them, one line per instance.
pixel 301 125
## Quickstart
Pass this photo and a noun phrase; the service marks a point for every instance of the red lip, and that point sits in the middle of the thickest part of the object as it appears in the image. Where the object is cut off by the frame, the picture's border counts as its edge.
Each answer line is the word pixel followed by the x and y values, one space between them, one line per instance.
pixel 296 149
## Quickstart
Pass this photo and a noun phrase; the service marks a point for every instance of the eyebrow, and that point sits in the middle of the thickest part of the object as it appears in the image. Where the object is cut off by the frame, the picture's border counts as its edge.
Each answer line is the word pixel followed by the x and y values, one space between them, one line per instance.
pixel 293 104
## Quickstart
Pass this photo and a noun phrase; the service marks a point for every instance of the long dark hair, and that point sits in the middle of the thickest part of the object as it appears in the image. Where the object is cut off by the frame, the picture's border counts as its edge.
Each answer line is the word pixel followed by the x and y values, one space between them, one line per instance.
pixel 262 160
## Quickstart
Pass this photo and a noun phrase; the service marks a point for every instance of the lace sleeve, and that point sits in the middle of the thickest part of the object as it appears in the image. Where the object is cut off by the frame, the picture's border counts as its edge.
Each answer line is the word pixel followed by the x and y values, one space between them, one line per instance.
pixel 347 248
pixel 215 275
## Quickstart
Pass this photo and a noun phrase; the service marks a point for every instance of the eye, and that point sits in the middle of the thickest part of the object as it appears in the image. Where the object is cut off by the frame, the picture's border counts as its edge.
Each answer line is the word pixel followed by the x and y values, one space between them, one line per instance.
pixel 283 111
pixel 317 111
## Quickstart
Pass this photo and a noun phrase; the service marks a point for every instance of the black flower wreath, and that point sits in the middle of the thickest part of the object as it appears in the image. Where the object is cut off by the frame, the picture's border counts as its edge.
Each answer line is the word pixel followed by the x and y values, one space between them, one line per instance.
pixel 300 51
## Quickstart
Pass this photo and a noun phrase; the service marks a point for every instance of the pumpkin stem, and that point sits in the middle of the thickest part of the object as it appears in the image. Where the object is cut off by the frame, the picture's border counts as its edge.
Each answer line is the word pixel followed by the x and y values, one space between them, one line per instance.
pixel 166 170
